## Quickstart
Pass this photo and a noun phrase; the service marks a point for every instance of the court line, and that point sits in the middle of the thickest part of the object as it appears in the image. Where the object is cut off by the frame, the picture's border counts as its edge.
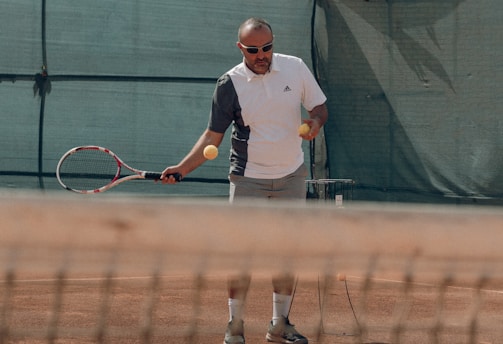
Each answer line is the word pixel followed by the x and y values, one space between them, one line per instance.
pixel 87 279
pixel 422 284
pixel 95 279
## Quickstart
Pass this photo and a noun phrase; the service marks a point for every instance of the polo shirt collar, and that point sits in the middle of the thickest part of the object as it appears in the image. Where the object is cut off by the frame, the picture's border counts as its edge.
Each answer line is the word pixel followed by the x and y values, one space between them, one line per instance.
pixel 250 75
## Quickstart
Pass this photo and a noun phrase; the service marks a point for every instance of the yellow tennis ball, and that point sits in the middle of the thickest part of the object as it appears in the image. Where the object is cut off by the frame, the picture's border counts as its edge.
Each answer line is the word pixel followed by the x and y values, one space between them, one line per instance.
pixel 210 152
pixel 304 129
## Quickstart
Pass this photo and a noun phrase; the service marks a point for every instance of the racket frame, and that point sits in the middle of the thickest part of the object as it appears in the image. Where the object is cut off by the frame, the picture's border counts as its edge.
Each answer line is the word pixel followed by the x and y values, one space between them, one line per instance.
pixel 116 180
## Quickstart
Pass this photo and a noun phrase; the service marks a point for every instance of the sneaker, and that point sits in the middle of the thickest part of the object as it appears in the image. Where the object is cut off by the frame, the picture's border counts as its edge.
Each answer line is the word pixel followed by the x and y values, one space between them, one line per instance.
pixel 284 332
pixel 234 333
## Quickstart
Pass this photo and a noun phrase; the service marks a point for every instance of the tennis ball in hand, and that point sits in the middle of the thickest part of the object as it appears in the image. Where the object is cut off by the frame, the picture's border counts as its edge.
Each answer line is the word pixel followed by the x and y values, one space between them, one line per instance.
pixel 210 152
pixel 304 129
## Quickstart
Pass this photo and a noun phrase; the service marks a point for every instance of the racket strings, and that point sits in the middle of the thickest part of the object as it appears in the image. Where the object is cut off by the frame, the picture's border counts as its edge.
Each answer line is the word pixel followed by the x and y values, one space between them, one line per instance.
pixel 89 169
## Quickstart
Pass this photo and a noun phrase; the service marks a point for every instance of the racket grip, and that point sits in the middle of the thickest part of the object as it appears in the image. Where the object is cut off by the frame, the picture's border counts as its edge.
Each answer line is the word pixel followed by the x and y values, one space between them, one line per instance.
pixel 157 175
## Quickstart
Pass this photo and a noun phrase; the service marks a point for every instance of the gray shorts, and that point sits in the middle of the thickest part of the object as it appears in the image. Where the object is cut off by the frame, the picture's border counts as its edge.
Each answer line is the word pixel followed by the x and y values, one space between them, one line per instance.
pixel 292 186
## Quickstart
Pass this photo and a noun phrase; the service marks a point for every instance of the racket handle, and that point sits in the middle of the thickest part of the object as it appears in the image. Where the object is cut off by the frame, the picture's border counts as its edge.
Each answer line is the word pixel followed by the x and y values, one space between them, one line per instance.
pixel 157 175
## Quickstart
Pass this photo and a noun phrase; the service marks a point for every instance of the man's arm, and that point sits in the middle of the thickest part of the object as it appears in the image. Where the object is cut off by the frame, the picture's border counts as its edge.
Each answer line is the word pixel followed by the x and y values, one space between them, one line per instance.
pixel 194 158
pixel 317 118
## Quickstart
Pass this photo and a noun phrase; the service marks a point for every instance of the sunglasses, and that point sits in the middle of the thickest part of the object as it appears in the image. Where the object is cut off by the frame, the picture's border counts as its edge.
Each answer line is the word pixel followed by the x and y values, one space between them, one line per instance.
pixel 254 50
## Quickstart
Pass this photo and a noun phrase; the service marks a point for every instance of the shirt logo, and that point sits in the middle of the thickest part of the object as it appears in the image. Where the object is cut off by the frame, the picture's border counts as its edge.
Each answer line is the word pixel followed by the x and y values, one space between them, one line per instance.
pixel 287 89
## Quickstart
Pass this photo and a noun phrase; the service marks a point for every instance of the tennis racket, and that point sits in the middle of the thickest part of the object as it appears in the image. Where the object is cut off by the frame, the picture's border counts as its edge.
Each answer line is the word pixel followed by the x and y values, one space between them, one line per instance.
pixel 94 169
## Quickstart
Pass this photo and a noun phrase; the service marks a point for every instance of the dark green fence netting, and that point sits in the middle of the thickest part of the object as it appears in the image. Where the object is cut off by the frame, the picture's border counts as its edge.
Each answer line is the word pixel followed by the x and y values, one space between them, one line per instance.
pixel 413 89
pixel 415 97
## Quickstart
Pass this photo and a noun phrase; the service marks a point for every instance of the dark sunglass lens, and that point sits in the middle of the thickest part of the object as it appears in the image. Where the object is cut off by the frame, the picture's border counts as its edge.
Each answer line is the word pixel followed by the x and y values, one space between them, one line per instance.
pixel 267 48
pixel 252 50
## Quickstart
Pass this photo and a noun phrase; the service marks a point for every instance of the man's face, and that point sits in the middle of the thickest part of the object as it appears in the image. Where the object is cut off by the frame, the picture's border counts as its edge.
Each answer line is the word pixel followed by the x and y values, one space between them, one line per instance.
pixel 256 40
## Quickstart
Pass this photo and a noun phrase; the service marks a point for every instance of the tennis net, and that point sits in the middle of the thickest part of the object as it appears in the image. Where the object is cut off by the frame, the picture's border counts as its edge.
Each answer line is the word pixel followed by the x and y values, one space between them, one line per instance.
pixel 114 269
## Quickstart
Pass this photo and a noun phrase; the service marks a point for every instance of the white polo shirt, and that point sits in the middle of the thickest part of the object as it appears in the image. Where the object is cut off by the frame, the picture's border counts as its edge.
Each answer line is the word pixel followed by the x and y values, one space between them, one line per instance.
pixel 265 111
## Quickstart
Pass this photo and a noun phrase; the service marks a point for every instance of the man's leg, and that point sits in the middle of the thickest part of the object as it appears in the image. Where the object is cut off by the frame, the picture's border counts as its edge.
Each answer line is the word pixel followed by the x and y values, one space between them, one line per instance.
pixel 283 287
pixel 237 289
pixel 280 329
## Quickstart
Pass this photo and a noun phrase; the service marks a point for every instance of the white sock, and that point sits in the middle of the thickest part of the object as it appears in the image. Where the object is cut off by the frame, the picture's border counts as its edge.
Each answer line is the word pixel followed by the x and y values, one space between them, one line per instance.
pixel 236 309
pixel 280 306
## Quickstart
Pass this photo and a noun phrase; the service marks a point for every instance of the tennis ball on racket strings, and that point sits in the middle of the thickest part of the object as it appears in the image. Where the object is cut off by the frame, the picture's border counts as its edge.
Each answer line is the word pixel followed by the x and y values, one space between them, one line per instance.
pixel 210 152
pixel 304 129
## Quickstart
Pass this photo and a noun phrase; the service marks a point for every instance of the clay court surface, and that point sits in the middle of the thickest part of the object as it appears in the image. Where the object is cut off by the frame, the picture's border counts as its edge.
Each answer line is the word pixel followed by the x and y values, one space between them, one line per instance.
pixel 118 271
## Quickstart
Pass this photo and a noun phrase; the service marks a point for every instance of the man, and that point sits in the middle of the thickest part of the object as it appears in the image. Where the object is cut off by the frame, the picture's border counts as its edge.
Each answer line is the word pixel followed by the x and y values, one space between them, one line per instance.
pixel 262 98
